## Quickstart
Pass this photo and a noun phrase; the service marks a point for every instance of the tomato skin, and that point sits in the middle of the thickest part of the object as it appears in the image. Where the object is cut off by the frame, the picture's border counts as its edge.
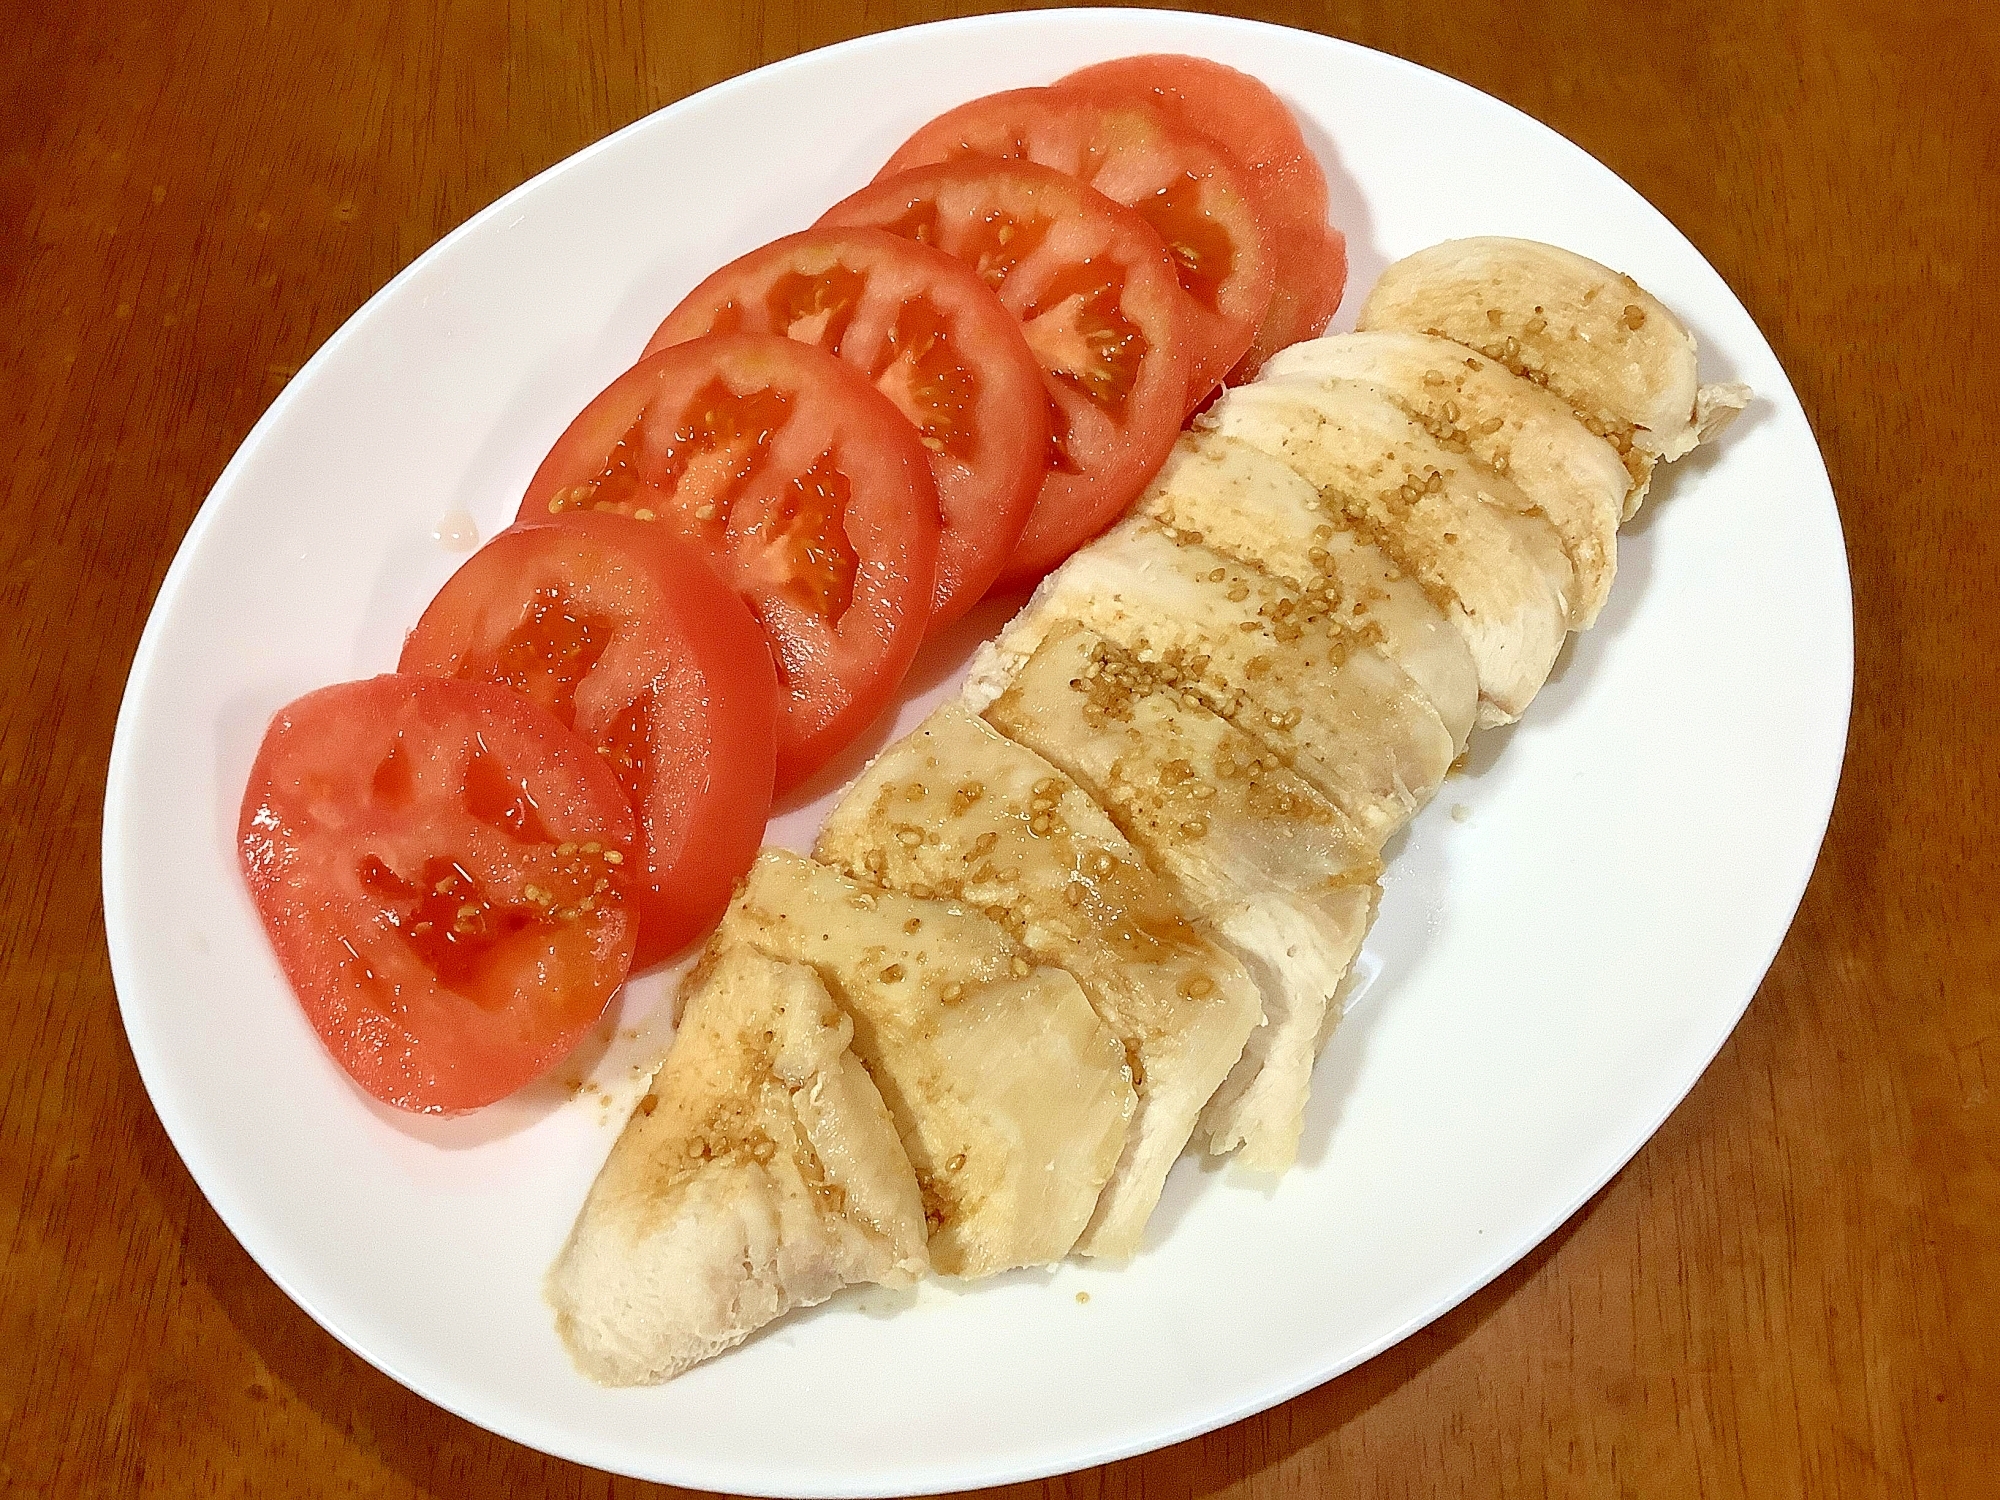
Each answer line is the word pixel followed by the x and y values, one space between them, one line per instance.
pixel 1242 114
pixel 669 654
pixel 747 445
pixel 874 295
pixel 1077 257
pixel 360 795
pixel 1195 194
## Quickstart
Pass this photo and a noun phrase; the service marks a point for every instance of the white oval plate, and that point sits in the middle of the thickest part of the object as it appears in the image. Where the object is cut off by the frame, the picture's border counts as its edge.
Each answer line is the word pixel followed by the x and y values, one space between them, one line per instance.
pixel 1569 933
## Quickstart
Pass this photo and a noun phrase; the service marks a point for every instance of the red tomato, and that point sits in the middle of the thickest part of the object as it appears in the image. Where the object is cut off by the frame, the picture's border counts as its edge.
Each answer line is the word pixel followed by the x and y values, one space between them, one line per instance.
pixel 805 489
pixel 1253 123
pixel 624 634
pixel 1097 297
pixel 1194 194
pixel 934 340
pixel 440 866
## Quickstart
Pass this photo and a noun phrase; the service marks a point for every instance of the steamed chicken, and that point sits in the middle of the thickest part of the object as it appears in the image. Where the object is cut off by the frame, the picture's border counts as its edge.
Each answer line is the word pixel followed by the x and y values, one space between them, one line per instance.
pixel 1103 907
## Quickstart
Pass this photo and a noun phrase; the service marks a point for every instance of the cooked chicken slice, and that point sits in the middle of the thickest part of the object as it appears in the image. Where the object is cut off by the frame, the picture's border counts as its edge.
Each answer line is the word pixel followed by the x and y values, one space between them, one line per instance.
pixel 1596 338
pixel 1276 870
pixel 762 1173
pixel 958 809
pixel 1249 505
pixel 1333 706
pixel 1472 405
pixel 1010 1096
pixel 1476 543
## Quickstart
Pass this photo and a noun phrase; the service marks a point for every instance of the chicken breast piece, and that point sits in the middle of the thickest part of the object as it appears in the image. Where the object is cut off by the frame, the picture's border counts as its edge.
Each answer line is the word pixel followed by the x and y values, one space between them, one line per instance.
pixel 1595 337
pixel 1008 1093
pixel 1487 557
pixel 1513 426
pixel 760 1174
pixel 958 809
pixel 1248 505
pixel 1277 871
pixel 1289 674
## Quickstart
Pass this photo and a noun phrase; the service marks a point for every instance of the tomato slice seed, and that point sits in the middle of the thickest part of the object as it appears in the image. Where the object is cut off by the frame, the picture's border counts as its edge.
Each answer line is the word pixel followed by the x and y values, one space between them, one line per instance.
pixel 815 309
pixel 1082 338
pixel 500 802
pixel 1204 252
pixel 799 546
pixel 553 649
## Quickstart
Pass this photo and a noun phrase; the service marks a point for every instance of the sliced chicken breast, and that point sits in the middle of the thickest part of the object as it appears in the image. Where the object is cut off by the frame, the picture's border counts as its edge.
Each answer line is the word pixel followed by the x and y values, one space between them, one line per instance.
pixel 1595 337
pixel 1472 405
pixel 1275 869
pixel 1270 660
pixel 1010 1096
pixel 1248 505
pixel 761 1173
pixel 1475 542
pixel 957 809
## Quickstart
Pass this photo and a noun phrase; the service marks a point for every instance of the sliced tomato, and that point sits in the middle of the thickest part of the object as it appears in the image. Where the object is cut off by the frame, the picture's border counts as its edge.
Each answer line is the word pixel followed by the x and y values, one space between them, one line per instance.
pixel 1097 297
pixel 1243 115
pixel 1194 194
pixel 441 868
pixel 934 340
pixel 802 485
pixel 624 634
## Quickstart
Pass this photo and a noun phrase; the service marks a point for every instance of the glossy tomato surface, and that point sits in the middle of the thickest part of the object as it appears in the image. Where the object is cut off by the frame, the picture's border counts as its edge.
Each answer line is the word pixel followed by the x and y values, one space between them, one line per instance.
pixel 933 339
pixel 1242 114
pixel 440 867
pixel 1196 196
pixel 1097 297
pixel 628 637
pixel 801 484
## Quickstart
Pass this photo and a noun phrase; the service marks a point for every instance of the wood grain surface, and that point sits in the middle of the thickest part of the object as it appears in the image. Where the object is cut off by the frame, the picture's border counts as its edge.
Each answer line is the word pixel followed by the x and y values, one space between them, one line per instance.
pixel 1793 1290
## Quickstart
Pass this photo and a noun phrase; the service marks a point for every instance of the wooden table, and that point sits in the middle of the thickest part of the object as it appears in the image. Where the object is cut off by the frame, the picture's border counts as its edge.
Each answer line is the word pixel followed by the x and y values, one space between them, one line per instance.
pixel 1794 1289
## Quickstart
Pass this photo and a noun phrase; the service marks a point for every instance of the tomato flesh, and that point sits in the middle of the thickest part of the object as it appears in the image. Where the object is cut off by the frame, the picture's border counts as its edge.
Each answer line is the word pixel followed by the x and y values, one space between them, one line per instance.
pixel 1195 195
pixel 623 634
pixel 442 869
pixel 930 337
pixel 1100 305
pixel 800 484
pixel 1241 114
